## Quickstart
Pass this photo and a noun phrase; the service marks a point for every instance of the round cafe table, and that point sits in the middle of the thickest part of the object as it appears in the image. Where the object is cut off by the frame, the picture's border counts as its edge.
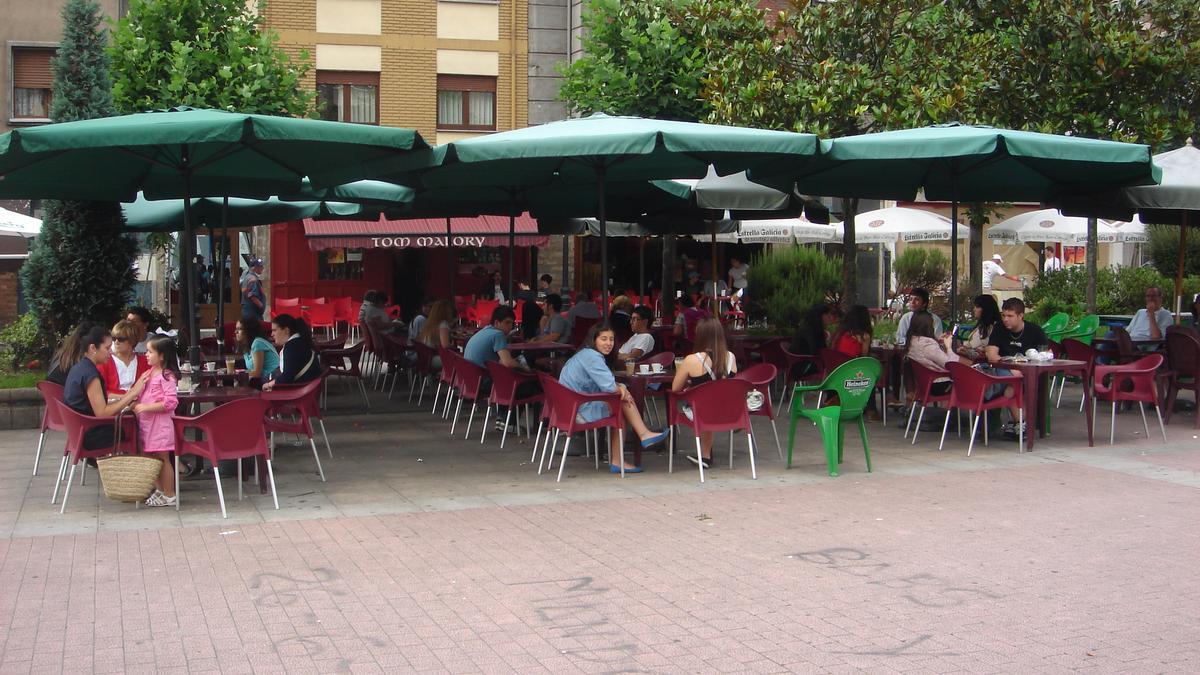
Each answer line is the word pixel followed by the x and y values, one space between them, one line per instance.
pixel 636 383
pixel 218 395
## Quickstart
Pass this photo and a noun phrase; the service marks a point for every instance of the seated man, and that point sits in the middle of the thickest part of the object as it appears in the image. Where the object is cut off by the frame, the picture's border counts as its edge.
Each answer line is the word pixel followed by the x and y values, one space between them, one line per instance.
pixel 918 301
pixel 641 343
pixel 491 344
pixel 555 327
pixel 584 308
pixel 1152 321
pixel 1012 338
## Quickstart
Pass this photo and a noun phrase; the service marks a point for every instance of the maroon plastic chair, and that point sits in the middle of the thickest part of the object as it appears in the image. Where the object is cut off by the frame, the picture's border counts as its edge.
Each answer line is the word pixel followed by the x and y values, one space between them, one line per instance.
pixel 302 403
pixel 76 425
pixel 564 410
pixel 1183 361
pixel 1075 350
pixel 423 368
pixel 344 363
pixel 761 376
pixel 967 392
pixel 468 380
pixel 368 349
pixel 923 380
pixel 378 350
pixel 505 381
pixel 1133 382
pixel 449 360
pixel 790 364
pixel 234 430
pixel 719 405
pixel 51 418
pixel 580 329
pixel 543 420
pixel 395 356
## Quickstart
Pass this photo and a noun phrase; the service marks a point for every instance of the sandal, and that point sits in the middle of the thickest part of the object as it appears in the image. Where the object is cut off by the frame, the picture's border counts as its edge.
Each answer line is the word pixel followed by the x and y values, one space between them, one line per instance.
pixel 160 499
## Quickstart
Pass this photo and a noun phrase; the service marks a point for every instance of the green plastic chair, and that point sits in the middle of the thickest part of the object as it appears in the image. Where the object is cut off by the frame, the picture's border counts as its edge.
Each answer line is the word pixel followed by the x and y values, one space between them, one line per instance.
pixel 1085 330
pixel 853 382
pixel 1056 324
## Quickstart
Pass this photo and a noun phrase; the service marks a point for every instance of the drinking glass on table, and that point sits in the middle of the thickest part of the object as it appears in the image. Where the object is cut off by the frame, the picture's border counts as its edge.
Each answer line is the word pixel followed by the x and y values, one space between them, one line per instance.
pixel 230 364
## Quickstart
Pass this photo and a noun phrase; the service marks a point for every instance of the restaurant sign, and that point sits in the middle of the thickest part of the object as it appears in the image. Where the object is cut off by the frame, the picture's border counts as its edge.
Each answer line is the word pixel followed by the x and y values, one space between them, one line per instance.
pixel 426 242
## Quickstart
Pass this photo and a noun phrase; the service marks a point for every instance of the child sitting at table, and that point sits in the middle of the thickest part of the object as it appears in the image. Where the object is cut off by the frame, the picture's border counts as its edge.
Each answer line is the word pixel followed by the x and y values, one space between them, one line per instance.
pixel 153 409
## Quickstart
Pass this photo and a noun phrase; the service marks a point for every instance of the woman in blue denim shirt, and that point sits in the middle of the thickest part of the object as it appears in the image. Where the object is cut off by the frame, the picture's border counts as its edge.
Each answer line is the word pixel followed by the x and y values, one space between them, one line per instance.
pixel 589 372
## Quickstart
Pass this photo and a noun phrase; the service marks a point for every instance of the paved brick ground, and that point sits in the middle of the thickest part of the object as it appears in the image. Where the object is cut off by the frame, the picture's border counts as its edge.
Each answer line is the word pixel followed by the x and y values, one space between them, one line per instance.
pixel 1068 559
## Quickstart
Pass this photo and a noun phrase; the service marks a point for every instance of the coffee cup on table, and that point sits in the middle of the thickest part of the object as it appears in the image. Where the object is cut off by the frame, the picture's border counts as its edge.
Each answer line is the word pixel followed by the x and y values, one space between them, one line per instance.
pixel 644 368
pixel 210 366
pixel 657 367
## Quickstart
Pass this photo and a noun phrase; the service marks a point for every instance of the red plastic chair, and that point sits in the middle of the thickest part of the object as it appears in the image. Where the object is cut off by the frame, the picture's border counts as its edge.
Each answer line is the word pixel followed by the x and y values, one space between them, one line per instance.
pixel 352 326
pixel 322 316
pixel 1183 360
pixel 342 311
pixel 923 396
pixel 76 425
pixel 51 418
pixel 505 381
pixel 287 302
pixel 761 376
pixel 793 362
pixel 468 381
pixel 449 361
pixel 1077 351
pixel 967 392
pixel 379 353
pixel 344 363
pixel 481 313
pixel 233 430
pixel 580 329
pixel 719 405
pixel 394 312
pixel 423 368
pixel 395 356
pixel 303 403
pixel 311 302
pixel 564 409
pixel 1133 382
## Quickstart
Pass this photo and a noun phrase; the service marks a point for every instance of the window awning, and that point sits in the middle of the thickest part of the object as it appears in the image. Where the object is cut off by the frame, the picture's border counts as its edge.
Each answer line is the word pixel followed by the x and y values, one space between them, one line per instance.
pixel 420 232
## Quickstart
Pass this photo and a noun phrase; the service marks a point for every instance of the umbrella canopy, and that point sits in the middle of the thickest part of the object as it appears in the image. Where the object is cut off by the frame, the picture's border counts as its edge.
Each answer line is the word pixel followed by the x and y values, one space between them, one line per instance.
pixel 1051 226
pixel 15 224
pixel 182 151
pixel 653 228
pixel 740 196
pixel 1177 194
pixel 887 226
pixel 959 162
pixel 166 215
pixel 782 231
pixel 372 192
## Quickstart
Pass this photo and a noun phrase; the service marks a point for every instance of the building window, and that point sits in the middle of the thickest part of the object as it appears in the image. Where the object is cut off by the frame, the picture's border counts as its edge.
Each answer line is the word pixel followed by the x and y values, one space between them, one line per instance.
pixel 466 102
pixel 32 81
pixel 340 264
pixel 348 97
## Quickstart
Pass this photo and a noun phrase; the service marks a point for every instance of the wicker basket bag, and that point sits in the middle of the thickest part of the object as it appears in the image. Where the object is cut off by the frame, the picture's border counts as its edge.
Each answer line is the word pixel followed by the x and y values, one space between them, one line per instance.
pixel 128 478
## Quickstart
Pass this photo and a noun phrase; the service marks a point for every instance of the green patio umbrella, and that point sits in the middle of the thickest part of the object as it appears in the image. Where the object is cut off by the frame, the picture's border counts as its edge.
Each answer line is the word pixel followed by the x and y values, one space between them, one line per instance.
pixel 167 215
pixel 594 151
pixel 184 153
pixel 958 162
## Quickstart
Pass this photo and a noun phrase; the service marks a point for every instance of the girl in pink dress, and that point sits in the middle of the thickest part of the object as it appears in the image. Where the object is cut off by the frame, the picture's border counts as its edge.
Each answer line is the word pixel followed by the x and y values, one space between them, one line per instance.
pixel 154 409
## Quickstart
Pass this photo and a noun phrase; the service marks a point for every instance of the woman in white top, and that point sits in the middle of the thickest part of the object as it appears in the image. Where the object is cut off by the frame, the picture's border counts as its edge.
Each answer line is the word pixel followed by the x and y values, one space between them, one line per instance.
pixel 737 275
pixel 987 317
pixel 641 343
pixel 712 360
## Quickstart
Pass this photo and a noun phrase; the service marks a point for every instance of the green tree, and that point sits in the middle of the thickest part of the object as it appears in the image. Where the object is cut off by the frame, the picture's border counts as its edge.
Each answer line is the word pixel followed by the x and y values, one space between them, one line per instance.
pixel 205 54
pixel 648 58
pixel 788 280
pixel 81 265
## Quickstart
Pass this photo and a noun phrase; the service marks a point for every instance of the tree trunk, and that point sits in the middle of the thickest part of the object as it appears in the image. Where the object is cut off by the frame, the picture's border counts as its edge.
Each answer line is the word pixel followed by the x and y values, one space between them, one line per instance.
pixel 668 274
pixel 849 253
pixel 975 250
pixel 1092 254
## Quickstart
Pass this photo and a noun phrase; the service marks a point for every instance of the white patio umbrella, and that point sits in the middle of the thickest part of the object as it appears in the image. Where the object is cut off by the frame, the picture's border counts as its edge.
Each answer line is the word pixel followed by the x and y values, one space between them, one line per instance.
pixel 1051 226
pixel 885 226
pixel 781 231
pixel 13 224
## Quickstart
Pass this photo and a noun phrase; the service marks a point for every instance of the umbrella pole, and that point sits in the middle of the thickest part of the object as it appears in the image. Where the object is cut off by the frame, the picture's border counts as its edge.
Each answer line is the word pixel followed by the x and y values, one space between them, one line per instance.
pixel 953 260
pixel 1092 253
pixel 219 270
pixel 452 262
pixel 603 243
pixel 1183 226
pixel 512 228
pixel 641 269
pixel 562 283
pixel 716 304
pixel 189 271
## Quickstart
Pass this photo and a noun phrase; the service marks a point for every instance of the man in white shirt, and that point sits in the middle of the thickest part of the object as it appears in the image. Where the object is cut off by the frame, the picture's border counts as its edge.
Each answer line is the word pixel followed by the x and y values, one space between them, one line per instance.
pixel 918 301
pixel 641 343
pixel 738 272
pixel 1053 263
pixel 1151 322
pixel 991 268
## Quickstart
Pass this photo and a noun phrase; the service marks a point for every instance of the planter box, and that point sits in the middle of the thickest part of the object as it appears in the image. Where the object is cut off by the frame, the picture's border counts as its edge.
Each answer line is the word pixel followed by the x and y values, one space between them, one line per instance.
pixel 20 409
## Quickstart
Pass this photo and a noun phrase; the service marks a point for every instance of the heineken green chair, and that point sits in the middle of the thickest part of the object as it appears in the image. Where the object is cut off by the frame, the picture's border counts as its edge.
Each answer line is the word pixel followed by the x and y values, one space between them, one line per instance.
pixel 853 382
pixel 1056 326
pixel 1084 330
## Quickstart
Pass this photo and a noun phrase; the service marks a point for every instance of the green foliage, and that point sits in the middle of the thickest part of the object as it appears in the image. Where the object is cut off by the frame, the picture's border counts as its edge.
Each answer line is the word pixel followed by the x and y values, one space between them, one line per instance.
pixel 205 54
pixel 926 268
pixel 1119 290
pixel 82 87
pixel 80 266
pixel 648 58
pixel 786 281
pixel 1163 250
pixel 23 342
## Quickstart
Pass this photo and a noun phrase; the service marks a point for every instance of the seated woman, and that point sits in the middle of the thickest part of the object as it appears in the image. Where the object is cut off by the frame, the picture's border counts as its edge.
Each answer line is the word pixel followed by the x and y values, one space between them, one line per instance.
pixel 588 372
pixel 68 354
pixel 298 362
pixel 923 347
pixel 711 361
pixel 854 337
pixel 262 361
pixel 987 317
pixel 125 366
pixel 436 331
pixel 641 343
pixel 84 391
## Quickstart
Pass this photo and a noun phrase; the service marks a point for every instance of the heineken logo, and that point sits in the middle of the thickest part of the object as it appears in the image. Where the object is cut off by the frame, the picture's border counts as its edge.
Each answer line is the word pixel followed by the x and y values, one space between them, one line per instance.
pixel 859 381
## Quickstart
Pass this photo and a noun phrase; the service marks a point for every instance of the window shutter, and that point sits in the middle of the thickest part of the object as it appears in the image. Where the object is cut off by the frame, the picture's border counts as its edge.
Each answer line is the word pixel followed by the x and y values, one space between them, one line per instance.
pixel 31 67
